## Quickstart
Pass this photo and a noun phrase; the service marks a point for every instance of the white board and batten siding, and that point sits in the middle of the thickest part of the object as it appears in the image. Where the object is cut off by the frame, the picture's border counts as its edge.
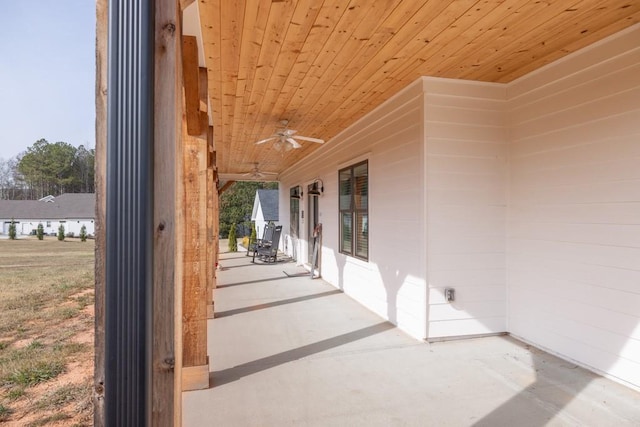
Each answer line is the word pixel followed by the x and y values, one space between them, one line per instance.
pixel 392 282
pixel 574 208
pixel 466 146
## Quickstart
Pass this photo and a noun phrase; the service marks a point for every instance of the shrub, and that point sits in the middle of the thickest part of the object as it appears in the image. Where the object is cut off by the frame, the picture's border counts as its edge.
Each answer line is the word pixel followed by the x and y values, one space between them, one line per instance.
pixel 12 230
pixel 61 232
pixel 69 234
pixel 83 233
pixel 233 241
pixel 253 233
pixel 40 232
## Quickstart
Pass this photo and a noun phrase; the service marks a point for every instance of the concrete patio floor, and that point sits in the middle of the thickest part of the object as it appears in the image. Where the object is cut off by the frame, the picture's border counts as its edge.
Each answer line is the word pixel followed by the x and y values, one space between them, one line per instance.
pixel 290 351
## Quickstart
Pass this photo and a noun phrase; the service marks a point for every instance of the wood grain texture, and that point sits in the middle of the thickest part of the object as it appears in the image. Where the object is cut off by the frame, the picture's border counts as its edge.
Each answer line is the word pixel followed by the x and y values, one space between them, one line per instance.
pixel 101 207
pixel 191 77
pixel 166 401
pixel 325 64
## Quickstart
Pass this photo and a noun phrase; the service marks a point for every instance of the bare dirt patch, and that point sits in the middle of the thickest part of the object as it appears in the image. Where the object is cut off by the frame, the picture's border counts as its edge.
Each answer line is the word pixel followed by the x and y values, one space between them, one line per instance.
pixel 46 332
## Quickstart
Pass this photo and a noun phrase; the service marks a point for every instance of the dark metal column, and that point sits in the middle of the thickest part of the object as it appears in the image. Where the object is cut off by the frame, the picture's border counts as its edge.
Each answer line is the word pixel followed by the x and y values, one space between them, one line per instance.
pixel 129 209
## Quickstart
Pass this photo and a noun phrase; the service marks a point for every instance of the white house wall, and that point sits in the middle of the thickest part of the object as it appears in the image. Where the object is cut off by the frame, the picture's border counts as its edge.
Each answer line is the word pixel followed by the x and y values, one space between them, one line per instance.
pixel 574 207
pixel 466 146
pixel 392 282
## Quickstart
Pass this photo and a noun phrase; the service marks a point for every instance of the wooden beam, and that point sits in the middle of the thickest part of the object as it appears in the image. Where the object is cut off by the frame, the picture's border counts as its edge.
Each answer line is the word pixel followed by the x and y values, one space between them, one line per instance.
pixel 190 72
pixel 226 186
pixel 193 207
pixel 102 22
pixel 185 4
pixel 166 367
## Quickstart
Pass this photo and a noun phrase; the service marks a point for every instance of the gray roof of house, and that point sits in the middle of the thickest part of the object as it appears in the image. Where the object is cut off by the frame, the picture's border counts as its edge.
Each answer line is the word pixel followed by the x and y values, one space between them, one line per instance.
pixel 65 206
pixel 269 203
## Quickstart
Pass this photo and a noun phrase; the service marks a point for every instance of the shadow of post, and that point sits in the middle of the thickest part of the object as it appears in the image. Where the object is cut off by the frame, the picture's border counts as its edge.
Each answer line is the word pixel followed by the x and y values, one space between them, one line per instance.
pixel 218 378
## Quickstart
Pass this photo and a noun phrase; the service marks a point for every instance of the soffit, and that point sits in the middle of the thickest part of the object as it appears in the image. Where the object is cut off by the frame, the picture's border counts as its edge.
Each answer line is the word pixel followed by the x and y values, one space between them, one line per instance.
pixel 324 64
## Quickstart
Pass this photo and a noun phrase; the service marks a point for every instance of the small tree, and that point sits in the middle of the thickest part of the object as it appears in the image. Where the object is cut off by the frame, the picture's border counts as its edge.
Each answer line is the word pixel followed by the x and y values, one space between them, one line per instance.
pixel 12 230
pixel 233 241
pixel 83 233
pixel 253 237
pixel 61 232
pixel 40 232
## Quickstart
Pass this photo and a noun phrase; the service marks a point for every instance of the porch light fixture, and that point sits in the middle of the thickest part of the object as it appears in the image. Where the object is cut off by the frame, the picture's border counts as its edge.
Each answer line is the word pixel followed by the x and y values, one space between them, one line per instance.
pixel 317 188
pixel 295 192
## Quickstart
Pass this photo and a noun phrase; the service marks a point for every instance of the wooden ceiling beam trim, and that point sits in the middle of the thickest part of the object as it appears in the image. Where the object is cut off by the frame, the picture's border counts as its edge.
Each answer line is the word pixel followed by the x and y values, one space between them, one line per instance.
pixel 190 75
pixel 185 3
pixel 225 187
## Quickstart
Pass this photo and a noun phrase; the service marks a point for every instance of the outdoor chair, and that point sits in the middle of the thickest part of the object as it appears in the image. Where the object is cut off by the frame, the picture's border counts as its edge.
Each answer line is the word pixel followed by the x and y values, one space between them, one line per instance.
pixel 267 236
pixel 269 253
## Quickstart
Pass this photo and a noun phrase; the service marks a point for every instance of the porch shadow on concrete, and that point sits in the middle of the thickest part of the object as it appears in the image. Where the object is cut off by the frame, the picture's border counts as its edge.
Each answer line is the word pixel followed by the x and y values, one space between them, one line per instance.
pixel 301 359
pixel 218 378
pixel 272 304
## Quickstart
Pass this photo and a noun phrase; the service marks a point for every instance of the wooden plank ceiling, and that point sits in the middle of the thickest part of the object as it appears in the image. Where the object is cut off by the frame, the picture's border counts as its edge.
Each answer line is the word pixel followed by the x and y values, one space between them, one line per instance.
pixel 324 64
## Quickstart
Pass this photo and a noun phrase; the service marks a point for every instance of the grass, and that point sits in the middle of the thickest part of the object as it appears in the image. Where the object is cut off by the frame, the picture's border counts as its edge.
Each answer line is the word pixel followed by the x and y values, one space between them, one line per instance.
pixel 5 411
pixel 44 288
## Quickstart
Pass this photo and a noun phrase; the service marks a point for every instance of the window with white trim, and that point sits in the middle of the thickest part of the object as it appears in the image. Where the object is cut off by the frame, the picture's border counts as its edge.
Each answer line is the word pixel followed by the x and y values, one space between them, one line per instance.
pixel 354 210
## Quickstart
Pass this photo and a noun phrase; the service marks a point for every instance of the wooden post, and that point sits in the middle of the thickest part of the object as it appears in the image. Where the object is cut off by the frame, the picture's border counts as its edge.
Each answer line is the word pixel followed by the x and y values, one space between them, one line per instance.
pixel 166 371
pixel 102 22
pixel 194 284
pixel 211 240
pixel 193 205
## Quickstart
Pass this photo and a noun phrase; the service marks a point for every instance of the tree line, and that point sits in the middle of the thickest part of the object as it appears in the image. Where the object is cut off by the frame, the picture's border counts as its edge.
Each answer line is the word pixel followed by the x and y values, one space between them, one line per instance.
pixel 236 206
pixel 47 169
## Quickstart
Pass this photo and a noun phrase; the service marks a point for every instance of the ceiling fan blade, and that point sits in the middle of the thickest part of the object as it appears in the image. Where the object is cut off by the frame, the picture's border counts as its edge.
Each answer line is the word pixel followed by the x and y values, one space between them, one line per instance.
pixel 306 138
pixel 262 141
pixel 293 143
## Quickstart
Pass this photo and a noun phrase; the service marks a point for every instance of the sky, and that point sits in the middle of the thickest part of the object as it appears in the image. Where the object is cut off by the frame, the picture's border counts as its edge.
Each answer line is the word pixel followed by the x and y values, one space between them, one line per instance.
pixel 47 73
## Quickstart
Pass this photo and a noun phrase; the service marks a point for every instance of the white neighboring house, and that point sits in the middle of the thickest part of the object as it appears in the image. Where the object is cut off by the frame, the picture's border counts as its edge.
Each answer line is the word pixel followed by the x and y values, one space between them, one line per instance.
pixel 265 209
pixel 73 210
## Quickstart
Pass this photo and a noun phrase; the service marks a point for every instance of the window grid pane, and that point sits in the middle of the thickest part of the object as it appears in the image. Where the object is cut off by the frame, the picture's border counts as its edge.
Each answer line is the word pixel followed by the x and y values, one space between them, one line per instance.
pixel 362 235
pixel 353 203
pixel 346 240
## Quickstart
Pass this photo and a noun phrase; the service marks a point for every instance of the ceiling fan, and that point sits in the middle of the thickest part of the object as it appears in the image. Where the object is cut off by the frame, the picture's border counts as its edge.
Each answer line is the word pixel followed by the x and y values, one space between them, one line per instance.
pixel 285 140
pixel 256 173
